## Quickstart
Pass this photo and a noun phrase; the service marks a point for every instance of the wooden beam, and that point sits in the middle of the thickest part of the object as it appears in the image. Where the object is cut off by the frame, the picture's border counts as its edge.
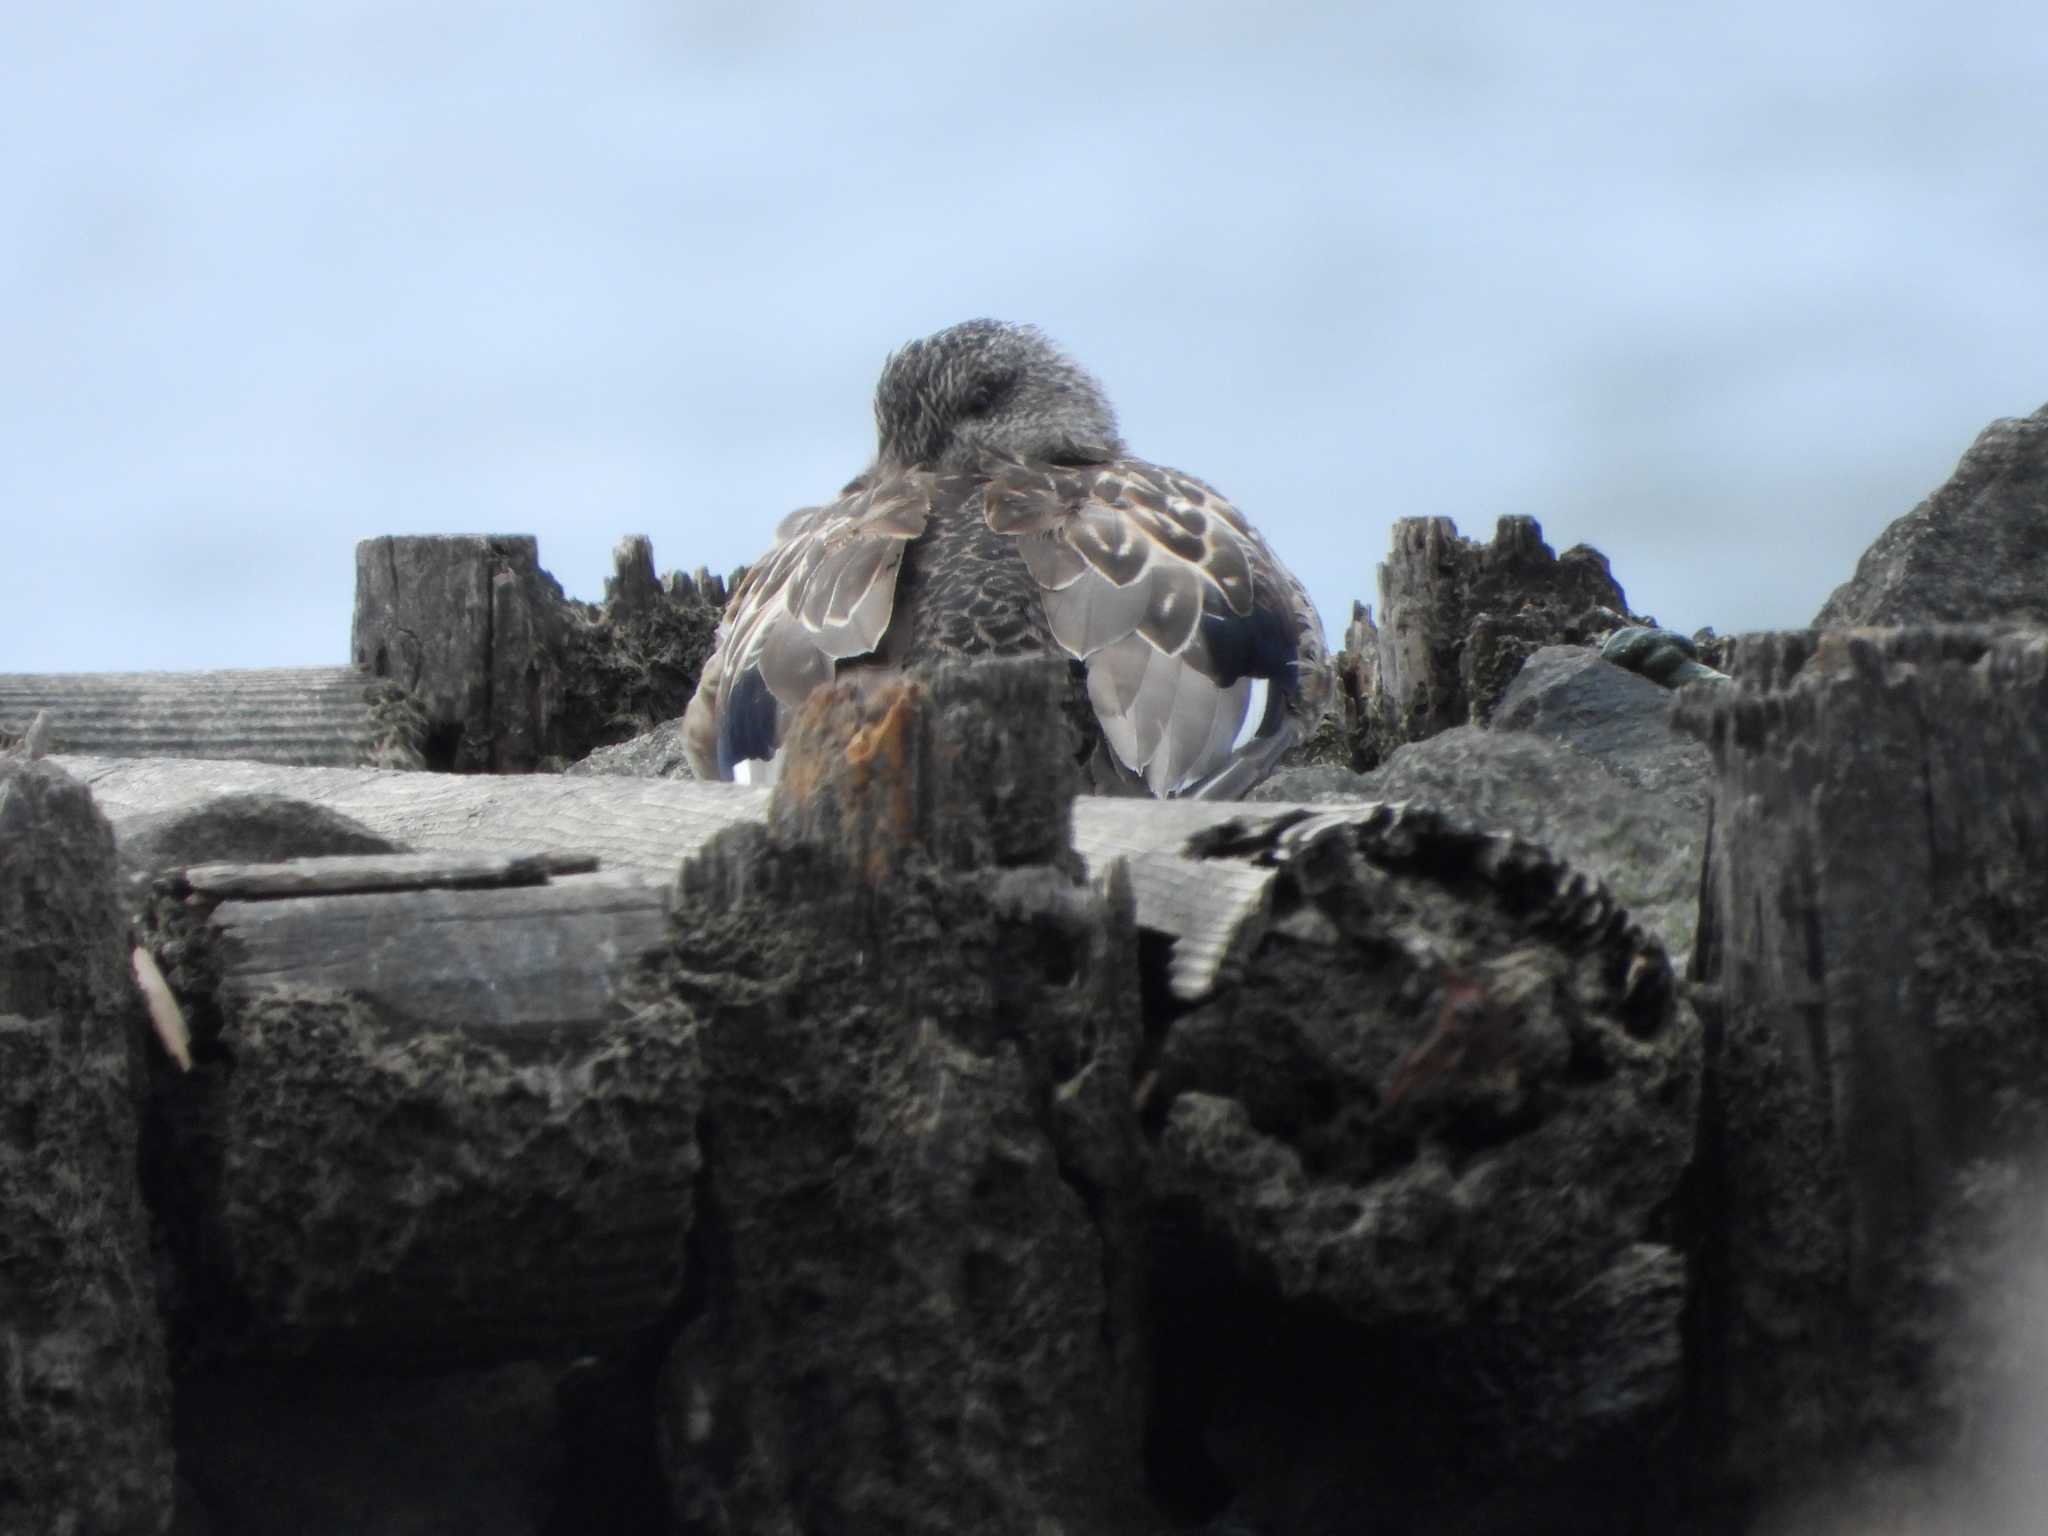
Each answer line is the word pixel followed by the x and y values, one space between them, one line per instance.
pixel 357 874
pixel 426 1127
pixel 1213 909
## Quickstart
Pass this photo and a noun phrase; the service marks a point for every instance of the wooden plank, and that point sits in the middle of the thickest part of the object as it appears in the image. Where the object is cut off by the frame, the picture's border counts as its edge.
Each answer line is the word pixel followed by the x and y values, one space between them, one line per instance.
pixel 511 959
pixel 339 875
pixel 300 716
pixel 1216 909
pixel 1213 909
pixel 645 823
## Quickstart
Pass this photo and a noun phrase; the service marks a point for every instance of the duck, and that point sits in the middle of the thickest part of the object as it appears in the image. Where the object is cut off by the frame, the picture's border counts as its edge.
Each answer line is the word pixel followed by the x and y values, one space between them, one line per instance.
pixel 1003 515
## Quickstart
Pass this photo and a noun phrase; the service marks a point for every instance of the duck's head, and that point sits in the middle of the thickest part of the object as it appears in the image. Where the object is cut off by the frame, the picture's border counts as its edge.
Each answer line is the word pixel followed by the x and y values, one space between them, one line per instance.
pixel 984 387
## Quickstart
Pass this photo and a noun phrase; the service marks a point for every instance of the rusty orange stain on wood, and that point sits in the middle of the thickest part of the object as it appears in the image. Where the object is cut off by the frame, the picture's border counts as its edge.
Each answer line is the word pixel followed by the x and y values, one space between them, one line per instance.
pixel 879 753
pixel 886 734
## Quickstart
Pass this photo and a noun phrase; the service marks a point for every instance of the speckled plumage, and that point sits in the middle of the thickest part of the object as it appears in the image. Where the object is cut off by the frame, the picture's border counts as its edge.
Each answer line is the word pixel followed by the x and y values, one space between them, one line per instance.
pixel 1002 516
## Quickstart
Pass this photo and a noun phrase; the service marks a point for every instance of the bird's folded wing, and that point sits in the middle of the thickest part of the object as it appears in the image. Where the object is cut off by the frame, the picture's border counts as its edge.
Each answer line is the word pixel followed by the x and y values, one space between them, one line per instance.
pixel 1174 603
pixel 825 592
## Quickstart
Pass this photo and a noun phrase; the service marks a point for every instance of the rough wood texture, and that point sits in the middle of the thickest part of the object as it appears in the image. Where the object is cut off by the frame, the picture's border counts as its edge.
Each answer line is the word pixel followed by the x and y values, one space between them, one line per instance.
pixel 471 627
pixel 1976 551
pixel 431 1127
pixel 300 716
pixel 1875 925
pixel 1432 1138
pixel 350 874
pixel 917 1241
pixel 1423 1122
pixel 645 823
pixel 630 666
pixel 878 777
pixel 84 1393
pixel 1211 910
pixel 1456 620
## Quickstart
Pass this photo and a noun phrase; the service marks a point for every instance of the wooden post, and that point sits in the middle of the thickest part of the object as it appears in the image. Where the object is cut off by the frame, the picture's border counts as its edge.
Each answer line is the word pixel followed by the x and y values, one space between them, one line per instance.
pixel 471 627
pixel 919 1235
pixel 84 1390
pixel 1874 938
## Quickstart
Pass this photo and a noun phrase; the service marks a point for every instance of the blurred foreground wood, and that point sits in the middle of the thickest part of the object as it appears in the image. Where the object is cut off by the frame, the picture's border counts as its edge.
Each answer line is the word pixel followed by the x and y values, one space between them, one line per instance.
pixel 85 1410
pixel 1874 940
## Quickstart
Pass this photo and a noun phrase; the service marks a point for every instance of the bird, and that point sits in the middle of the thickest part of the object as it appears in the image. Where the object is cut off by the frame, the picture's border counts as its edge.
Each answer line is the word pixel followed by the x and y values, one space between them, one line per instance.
pixel 1002 515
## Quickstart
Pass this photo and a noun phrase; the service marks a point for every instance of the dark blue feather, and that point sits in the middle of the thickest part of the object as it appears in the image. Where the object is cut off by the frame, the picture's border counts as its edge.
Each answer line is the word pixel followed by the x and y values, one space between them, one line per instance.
pixel 746 723
pixel 1261 643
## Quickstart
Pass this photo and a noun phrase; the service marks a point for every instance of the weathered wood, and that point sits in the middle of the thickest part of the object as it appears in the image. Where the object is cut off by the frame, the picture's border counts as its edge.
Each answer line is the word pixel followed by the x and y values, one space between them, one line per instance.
pixel 630 666
pixel 867 772
pixel 1214 910
pixel 919 1238
pixel 633 591
pixel 1457 618
pixel 428 1127
pixel 1875 929
pixel 472 627
pixel 361 873
pixel 645 823
pixel 298 716
pixel 1210 909
pixel 84 1388
pixel 32 742
pixel 1971 553
pixel 504 962
pixel 1432 1137
pixel 1436 1084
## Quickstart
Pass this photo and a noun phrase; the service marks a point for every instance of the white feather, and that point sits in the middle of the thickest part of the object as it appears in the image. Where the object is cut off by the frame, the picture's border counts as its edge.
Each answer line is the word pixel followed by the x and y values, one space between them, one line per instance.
pixel 1255 711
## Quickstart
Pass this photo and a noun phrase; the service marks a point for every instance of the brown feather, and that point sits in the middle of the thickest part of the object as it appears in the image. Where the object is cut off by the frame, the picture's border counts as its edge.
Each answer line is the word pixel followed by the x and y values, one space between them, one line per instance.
pixel 1125 531
pixel 1173 608
pixel 1106 540
pixel 1008 535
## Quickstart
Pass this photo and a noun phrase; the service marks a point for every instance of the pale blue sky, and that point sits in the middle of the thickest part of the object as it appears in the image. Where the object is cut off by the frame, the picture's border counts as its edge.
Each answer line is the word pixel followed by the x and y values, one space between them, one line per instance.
pixel 1720 290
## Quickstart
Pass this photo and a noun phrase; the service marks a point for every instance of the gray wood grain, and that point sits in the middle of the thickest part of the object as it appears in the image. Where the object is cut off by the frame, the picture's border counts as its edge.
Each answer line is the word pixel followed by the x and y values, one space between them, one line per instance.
pixel 512 959
pixel 1214 909
pixel 338 875
pixel 471 626
pixel 301 716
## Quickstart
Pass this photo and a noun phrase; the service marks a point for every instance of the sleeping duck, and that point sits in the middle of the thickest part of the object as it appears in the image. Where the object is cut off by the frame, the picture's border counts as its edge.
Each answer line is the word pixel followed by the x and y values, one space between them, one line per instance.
pixel 1002 517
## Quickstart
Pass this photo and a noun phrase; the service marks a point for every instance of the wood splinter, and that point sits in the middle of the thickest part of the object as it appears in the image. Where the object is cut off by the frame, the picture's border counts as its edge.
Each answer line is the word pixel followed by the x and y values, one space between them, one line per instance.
pixel 166 1018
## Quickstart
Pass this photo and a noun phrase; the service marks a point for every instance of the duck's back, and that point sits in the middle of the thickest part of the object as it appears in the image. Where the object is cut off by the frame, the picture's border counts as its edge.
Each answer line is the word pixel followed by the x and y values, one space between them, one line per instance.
pixel 1175 614
pixel 963 589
